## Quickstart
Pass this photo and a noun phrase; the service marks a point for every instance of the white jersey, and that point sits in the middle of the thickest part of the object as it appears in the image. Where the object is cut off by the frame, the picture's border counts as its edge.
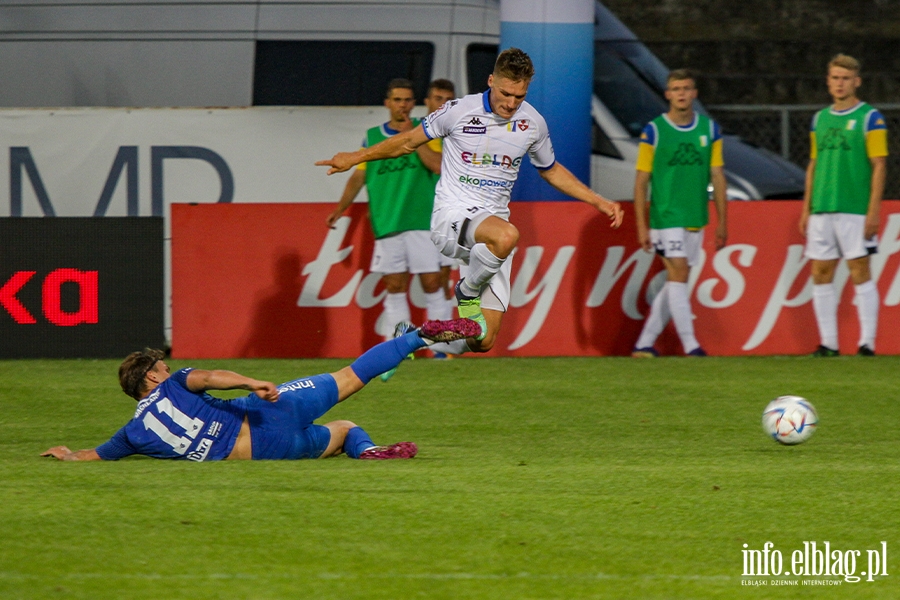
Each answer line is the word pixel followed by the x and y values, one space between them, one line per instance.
pixel 483 151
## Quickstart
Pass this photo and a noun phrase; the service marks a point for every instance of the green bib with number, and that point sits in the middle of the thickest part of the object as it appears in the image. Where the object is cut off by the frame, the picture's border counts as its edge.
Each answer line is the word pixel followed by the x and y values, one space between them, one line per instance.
pixel 679 182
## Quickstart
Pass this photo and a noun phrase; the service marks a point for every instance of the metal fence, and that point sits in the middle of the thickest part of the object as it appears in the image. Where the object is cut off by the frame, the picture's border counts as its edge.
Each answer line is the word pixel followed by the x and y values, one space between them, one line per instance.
pixel 784 129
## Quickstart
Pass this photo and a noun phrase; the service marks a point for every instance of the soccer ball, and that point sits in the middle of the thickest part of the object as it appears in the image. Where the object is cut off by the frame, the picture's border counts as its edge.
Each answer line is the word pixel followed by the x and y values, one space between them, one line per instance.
pixel 790 420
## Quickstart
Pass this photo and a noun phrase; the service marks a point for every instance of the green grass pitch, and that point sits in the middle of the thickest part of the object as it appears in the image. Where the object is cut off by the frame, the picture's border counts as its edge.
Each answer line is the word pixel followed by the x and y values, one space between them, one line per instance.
pixel 559 478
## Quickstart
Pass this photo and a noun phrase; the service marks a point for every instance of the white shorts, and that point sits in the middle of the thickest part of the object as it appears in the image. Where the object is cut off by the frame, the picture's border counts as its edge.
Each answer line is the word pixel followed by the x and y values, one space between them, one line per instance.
pixel 830 236
pixel 453 229
pixel 406 252
pixel 678 242
pixel 446 261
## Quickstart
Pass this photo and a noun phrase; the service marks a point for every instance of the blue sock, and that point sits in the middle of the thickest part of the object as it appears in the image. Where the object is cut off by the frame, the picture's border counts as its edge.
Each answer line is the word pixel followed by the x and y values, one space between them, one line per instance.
pixel 357 442
pixel 385 356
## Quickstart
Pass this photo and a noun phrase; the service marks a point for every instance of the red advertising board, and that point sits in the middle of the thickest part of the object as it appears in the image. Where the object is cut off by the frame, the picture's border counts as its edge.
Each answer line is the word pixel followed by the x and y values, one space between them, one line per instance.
pixel 271 280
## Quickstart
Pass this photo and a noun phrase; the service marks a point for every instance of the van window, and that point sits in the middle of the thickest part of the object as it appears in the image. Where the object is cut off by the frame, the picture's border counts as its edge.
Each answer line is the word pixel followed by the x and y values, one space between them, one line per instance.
pixel 480 59
pixel 601 144
pixel 335 73
pixel 632 95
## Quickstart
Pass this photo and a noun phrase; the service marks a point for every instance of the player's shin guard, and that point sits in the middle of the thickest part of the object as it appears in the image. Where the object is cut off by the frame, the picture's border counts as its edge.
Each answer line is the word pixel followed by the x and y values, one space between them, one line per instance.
pixel 385 356
pixel 867 302
pixel 357 442
pixel 656 320
pixel 483 265
pixel 680 307
pixel 396 310
pixel 436 306
pixel 825 308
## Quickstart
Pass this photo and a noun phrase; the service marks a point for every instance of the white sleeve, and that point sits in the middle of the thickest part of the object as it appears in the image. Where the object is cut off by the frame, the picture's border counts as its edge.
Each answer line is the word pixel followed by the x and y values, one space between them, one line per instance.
pixel 440 123
pixel 541 150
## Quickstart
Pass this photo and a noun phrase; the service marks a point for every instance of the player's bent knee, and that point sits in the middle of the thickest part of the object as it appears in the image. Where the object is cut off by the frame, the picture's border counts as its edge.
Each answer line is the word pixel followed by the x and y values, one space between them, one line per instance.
pixel 508 238
pixel 484 345
pixel 338 430
pixel 340 426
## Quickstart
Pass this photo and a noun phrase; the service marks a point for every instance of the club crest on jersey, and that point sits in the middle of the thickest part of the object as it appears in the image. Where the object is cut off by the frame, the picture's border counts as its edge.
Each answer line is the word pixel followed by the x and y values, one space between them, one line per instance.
pixel 518 125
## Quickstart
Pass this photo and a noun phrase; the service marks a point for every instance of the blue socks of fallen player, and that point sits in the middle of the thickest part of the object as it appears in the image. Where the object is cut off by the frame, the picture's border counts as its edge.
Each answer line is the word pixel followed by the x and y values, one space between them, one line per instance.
pixel 357 442
pixel 386 355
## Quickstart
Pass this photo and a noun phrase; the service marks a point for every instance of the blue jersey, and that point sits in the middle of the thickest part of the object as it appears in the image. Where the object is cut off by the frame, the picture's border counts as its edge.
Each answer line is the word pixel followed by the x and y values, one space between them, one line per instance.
pixel 174 422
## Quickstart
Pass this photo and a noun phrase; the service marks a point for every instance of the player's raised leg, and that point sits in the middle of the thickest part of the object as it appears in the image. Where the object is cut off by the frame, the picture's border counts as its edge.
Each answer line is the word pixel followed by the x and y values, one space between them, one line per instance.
pixel 495 239
pixel 387 355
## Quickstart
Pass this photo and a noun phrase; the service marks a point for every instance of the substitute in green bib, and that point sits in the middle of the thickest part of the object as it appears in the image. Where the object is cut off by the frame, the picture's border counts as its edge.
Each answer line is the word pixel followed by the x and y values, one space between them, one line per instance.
pixel 679 155
pixel 842 203
pixel 401 199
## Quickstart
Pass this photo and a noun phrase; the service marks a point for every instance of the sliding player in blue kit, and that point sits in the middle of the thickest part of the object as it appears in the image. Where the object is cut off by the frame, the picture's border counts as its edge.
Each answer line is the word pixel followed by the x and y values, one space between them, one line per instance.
pixel 177 419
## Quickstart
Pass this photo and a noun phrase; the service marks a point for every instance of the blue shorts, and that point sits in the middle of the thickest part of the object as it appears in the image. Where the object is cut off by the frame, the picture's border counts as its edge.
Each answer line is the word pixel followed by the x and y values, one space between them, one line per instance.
pixel 284 430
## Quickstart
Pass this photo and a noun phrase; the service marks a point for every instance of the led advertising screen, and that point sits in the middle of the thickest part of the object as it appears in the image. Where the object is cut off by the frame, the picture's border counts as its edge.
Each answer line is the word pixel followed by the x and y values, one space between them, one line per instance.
pixel 80 287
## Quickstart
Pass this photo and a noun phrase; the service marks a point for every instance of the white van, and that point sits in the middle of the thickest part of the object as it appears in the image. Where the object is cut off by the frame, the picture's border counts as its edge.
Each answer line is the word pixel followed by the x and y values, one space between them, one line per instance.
pixel 327 53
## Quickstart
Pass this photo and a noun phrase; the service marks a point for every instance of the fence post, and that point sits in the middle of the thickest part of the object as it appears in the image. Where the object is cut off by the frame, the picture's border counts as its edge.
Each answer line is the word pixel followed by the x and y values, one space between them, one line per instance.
pixel 785 133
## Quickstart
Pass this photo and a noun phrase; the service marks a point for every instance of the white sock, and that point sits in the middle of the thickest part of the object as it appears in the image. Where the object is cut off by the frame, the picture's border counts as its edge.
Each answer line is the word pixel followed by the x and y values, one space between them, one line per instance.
pixel 680 307
pixel 867 302
pixel 436 306
pixel 825 307
pixel 396 309
pixel 454 347
pixel 657 319
pixel 483 265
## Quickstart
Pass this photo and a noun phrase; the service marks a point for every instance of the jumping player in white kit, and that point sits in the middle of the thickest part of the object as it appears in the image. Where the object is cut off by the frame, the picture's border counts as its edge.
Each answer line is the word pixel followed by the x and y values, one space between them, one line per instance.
pixel 485 138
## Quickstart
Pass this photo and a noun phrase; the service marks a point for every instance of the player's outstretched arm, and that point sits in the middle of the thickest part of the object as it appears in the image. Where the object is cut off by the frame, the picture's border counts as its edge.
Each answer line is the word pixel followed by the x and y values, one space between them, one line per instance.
pixel 562 179
pixel 200 380
pixel 63 453
pixel 394 146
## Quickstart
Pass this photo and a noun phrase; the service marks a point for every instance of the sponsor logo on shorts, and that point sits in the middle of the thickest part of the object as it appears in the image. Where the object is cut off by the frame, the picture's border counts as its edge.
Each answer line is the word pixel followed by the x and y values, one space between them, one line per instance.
pixel 202 450
pixel 214 428
pixel 293 386
pixel 491 160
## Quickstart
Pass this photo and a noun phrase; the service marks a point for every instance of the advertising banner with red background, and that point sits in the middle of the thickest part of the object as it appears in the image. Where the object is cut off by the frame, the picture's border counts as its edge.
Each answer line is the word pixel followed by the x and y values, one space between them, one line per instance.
pixel 272 280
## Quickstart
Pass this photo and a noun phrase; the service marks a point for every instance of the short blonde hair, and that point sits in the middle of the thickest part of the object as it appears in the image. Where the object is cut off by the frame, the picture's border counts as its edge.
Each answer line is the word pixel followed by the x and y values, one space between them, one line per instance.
pixel 844 61
pixel 514 64
pixel 681 75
